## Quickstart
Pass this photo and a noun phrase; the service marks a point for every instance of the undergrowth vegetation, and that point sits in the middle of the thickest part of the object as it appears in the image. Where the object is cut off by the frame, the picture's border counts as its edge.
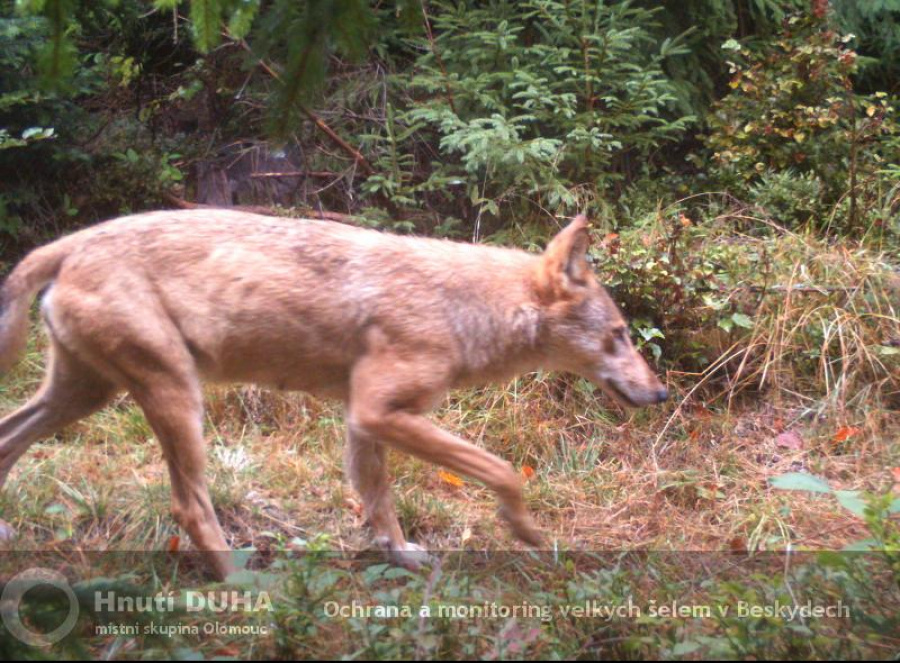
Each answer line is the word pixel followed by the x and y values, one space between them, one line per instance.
pixel 739 161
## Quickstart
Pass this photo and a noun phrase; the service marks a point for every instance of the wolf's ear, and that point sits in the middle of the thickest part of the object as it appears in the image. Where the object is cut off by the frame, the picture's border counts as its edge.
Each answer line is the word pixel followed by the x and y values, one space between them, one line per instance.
pixel 564 267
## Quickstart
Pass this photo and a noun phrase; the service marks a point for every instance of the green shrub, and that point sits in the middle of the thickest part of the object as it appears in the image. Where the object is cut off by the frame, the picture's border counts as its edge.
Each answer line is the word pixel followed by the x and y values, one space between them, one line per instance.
pixel 789 197
pixel 792 110
pixel 539 101
pixel 670 277
pixel 62 160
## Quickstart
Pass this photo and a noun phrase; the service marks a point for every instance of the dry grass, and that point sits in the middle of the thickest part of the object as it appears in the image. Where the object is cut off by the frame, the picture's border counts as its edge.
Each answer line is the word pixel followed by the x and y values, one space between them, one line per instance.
pixel 820 358
pixel 275 472
pixel 692 475
pixel 689 476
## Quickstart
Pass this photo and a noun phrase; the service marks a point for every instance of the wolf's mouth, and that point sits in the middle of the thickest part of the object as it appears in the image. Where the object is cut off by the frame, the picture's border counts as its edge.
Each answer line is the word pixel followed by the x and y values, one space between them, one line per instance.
pixel 619 394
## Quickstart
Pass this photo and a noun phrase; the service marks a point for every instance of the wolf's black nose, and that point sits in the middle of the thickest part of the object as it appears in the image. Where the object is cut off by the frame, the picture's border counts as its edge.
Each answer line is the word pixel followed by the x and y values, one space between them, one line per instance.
pixel 662 395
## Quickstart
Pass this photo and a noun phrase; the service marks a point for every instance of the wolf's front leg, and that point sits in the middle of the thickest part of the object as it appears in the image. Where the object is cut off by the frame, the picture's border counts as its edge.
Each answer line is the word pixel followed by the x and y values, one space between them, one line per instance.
pixel 388 395
pixel 365 463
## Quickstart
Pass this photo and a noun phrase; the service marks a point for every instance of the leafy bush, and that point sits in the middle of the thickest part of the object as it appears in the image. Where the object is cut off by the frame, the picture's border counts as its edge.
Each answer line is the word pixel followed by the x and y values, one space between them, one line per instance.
pixel 61 160
pixel 876 24
pixel 792 108
pixel 789 197
pixel 668 276
pixel 29 116
pixel 538 100
pixel 878 511
pixel 587 605
pixel 701 74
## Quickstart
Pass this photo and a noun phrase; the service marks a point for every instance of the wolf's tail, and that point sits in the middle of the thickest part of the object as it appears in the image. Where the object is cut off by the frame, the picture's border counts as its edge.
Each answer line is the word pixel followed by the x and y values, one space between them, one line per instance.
pixel 38 269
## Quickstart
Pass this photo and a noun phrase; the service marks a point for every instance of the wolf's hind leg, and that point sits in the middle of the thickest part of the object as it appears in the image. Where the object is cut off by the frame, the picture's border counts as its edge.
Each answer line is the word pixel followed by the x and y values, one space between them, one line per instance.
pixel 71 391
pixel 172 403
pixel 366 463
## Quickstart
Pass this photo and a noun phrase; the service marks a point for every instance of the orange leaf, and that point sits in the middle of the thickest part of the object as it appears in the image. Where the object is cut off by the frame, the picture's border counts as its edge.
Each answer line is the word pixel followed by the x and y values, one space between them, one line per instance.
pixel 173 544
pixel 845 433
pixel 451 479
pixel 700 411
pixel 611 243
pixel 527 471
pixel 227 652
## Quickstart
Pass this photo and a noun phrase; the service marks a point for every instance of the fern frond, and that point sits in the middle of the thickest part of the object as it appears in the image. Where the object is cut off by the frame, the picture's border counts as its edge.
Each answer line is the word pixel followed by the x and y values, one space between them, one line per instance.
pixel 206 18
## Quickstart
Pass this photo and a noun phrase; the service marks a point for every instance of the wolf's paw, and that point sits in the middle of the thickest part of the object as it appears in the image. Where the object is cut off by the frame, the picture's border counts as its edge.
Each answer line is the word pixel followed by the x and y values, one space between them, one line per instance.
pixel 410 555
pixel 7 531
pixel 524 528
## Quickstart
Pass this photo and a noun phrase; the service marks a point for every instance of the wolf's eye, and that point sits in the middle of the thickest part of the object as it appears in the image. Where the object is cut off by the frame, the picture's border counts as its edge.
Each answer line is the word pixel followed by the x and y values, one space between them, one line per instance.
pixel 615 340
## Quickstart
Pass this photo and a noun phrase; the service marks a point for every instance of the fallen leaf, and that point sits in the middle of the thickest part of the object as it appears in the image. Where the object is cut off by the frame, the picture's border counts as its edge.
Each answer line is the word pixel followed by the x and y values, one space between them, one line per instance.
pixel 611 243
pixel 527 471
pixel 450 479
pixel 173 544
pixel 789 440
pixel 738 544
pixel 844 433
pixel 227 652
pixel 700 411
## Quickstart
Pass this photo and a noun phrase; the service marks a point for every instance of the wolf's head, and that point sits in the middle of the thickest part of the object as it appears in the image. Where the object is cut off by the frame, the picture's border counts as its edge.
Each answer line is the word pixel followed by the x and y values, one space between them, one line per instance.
pixel 584 330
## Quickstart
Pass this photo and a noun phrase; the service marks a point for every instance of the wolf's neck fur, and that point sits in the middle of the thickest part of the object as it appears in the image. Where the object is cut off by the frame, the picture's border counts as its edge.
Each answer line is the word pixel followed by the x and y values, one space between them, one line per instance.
pixel 497 342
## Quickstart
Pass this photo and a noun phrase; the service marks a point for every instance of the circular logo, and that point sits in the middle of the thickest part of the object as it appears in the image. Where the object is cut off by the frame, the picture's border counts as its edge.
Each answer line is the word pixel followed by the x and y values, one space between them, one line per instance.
pixel 12 597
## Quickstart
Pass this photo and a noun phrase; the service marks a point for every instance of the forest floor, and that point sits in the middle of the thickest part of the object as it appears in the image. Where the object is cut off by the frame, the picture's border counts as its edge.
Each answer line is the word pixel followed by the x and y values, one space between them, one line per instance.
pixel 684 478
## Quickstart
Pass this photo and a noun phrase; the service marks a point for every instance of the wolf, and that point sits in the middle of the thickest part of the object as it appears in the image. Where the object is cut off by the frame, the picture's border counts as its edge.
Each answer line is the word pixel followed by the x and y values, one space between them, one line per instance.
pixel 156 303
